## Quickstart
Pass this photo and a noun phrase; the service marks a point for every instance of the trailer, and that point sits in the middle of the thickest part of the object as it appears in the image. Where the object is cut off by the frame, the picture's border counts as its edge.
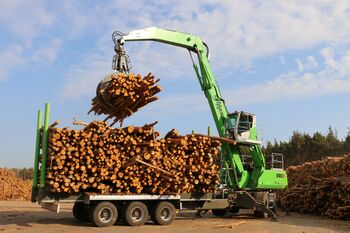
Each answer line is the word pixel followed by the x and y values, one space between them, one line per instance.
pixel 134 210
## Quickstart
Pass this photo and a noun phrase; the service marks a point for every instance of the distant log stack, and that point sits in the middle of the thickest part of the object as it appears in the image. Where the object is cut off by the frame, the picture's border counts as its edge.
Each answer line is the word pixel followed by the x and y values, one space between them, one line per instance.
pixel 320 187
pixel 103 159
pixel 12 187
pixel 124 94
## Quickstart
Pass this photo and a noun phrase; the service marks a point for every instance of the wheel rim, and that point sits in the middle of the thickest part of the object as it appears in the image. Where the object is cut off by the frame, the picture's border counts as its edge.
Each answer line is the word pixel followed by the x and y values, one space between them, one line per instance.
pixel 106 214
pixel 137 214
pixel 165 214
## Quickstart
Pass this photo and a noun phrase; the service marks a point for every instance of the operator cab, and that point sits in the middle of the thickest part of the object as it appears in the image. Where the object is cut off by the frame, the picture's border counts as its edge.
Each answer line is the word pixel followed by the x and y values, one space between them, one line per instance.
pixel 241 126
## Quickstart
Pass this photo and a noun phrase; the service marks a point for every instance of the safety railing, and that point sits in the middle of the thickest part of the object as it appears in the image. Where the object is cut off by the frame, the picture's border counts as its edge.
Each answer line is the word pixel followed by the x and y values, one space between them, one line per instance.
pixel 275 161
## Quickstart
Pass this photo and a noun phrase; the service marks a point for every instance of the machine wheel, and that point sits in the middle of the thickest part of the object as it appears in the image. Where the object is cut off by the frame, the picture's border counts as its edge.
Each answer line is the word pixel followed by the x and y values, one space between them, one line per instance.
pixel 135 213
pixel 273 208
pixel 219 212
pixel 103 214
pixel 260 197
pixel 81 212
pixel 163 213
pixel 272 204
pixel 259 214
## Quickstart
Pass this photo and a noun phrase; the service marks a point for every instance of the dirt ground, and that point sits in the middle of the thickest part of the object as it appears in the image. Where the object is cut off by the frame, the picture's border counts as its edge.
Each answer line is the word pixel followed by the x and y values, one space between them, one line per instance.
pixel 23 216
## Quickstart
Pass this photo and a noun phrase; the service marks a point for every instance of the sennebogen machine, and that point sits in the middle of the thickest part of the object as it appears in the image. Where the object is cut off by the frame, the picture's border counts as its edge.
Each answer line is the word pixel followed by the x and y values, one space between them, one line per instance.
pixel 244 185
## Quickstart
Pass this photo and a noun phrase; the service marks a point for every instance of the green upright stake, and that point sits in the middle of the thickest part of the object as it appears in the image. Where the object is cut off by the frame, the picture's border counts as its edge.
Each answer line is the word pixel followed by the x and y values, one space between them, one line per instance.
pixel 45 144
pixel 36 157
pixel 209 131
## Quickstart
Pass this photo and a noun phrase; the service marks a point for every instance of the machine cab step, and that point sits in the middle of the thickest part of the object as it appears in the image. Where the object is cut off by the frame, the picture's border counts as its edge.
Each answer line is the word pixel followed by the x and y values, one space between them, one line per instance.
pixel 241 126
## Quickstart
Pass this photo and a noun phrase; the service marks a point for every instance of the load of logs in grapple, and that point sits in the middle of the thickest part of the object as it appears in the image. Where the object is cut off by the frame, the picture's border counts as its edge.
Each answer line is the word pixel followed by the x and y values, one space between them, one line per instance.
pixel 320 187
pixel 123 95
pixel 99 158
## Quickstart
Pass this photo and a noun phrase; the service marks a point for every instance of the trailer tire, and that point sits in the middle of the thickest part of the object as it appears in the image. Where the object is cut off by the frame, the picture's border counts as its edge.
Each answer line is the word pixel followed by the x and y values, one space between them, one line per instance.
pixel 234 210
pixel 163 213
pixel 219 212
pixel 135 213
pixel 81 212
pixel 103 214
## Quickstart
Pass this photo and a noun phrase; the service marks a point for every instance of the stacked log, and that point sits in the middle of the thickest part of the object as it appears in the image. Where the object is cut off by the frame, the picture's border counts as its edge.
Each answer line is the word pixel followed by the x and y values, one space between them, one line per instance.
pixel 102 159
pixel 320 187
pixel 124 94
pixel 12 187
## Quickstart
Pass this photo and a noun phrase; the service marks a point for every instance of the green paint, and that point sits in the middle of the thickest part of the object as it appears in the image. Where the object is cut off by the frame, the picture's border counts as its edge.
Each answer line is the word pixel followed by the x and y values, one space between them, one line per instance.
pixel 272 179
pixel 36 156
pixel 45 145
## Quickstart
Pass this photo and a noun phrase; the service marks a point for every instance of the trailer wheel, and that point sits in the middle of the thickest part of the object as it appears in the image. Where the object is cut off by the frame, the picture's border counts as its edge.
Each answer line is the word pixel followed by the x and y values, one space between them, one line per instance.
pixel 219 212
pixel 135 213
pixel 103 214
pixel 234 210
pixel 163 213
pixel 81 212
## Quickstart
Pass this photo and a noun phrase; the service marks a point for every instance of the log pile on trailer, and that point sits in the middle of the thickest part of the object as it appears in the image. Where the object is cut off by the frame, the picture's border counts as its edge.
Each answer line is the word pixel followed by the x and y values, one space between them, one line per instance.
pixel 320 187
pixel 102 159
pixel 12 187
pixel 124 94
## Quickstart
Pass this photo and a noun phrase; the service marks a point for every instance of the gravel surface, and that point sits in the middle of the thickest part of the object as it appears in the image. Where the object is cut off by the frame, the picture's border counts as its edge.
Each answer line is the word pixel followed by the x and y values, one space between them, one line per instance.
pixel 23 216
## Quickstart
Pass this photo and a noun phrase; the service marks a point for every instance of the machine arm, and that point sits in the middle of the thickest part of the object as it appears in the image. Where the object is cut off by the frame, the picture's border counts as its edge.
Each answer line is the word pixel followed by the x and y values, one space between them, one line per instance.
pixel 184 40
pixel 204 73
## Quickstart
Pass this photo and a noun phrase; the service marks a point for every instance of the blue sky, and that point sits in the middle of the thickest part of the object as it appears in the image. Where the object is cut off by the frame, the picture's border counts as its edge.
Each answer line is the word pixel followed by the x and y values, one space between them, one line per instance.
pixel 286 61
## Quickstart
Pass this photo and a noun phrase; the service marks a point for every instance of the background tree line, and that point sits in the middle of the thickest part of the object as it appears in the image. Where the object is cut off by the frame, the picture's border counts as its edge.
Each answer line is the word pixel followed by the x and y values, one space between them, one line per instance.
pixel 303 147
pixel 24 173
